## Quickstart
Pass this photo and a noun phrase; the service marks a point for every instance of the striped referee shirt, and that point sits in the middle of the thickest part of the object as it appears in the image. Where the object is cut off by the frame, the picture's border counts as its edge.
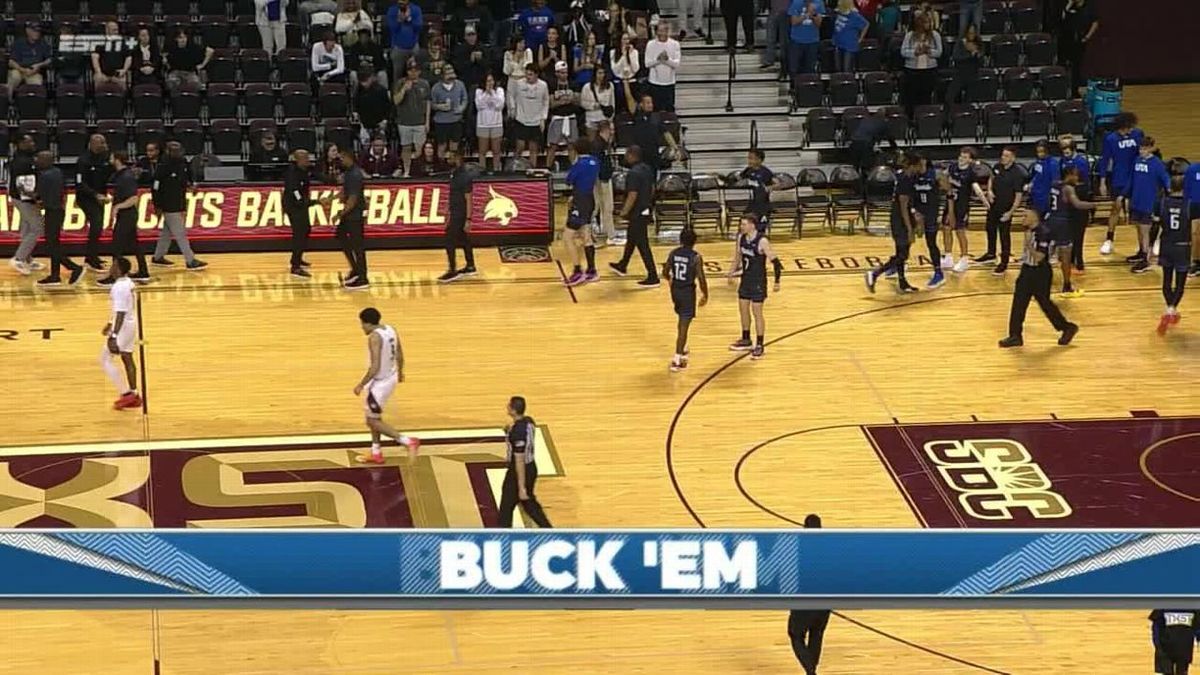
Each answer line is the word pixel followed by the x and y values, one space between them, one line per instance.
pixel 520 439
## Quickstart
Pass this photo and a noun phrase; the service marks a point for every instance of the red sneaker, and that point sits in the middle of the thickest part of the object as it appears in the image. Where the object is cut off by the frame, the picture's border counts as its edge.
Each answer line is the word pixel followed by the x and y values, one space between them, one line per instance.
pixel 414 447
pixel 1163 323
pixel 130 400
pixel 1175 318
pixel 371 458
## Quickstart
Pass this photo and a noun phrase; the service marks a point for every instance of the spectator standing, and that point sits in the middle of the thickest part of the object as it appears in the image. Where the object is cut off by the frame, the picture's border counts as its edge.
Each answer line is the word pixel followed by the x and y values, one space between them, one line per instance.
pixel 433 61
pixel 602 146
pixel 778 29
pixel 351 20
pixel 516 57
pixel 935 17
pixel 968 58
pixel 550 53
pixel 848 32
pixel 691 17
pixel 29 59
pixel 404 22
pixel 804 36
pixel 472 16
pixel 373 105
pixel 579 26
pixel 589 58
pixel 146 59
pixel 489 120
pixel 366 55
pixel 310 7
pixel 530 107
pixel 921 50
pixel 328 60
pixel 626 62
pixel 663 57
pixel 448 99
pixel 970 13
pixel 412 112
pixel 596 99
pixel 378 160
pixel 271 18
pixel 887 19
pixel 1079 25
pixel 185 60
pixel 428 163
pixel 471 60
pixel 266 158
pixel 733 10
pixel 563 128
pixel 534 23
pixel 112 60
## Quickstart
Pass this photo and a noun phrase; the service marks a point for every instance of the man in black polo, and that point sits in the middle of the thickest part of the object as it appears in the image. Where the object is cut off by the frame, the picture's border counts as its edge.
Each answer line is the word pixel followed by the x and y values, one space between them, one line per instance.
pixel 1005 190
pixel 522 473
pixel 457 227
pixel 1033 283
pixel 125 217
pixel 92 173
pixel 22 190
pixel 639 202
pixel 351 221
pixel 296 201
pixel 172 179
pixel 50 189
pixel 650 134
pixel 806 627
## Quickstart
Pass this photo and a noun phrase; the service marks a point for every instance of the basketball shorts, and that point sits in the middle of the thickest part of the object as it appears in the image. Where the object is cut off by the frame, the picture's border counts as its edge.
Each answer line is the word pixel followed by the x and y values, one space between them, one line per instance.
pixel 1060 232
pixel 1115 190
pixel 1139 217
pixel 378 393
pixel 126 337
pixel 583 208
pixel 753 293
pixel 959 216
pixel 930 222
pixel 684 298
pixel 1176 257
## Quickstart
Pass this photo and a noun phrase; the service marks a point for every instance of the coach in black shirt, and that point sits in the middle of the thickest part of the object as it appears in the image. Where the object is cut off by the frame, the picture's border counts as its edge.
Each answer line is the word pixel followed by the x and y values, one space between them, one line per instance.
pixel 350 222
pixel 50 187
pixel 125 217
pixel 296 201
pixel 1005 189
pixel 650 134
pixel 638 208
pixel 522 473
pixel 92 173
pixel 462 178
pixel 172 179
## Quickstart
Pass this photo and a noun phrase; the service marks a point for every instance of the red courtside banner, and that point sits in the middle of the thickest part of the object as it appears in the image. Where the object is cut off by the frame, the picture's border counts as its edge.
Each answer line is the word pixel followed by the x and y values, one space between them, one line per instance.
pixel 249 217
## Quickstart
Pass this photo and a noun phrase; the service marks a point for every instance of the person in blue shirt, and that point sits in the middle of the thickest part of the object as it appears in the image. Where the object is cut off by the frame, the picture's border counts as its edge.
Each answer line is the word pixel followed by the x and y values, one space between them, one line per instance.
pixel 534 22
pixel 577 236
pixel 804 36
pixel 1191 192
pixel 1148 179
pixel 404 22
pixel 1119 153
pixel 1044 172
pixel 1175 250
pixel 1079 218
pixel 849 29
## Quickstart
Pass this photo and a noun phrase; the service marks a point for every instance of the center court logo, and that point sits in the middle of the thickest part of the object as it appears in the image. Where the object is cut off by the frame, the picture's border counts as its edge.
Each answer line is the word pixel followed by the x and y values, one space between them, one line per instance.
pixel 500 208
pixel 994 477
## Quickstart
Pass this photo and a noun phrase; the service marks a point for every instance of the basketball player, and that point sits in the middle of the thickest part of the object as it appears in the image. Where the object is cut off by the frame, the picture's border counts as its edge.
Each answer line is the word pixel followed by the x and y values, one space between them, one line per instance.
pixel 1033 283
pixel 1174 251
pixel 1044 172
pixel 926 205
pixel 386 368
pixel 522 473
pixel 750 257
pixel 1173 631
pixel 958 208
pixel 683 268
pixel 121 334
pixel 903 197
pixel 1119 152
pixel 578 235
pixel 1083 189
pixel 1191 193
pixel 1148 178
pixel 1064 204
pixel 806 627
pixel 761 181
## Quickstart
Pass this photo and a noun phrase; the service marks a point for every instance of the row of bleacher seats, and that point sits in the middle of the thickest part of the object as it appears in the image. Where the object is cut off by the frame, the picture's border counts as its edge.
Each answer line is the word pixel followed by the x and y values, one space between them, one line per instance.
pixel 210 30
pixel 1022 16
pixel 123 8
pixel 1015 84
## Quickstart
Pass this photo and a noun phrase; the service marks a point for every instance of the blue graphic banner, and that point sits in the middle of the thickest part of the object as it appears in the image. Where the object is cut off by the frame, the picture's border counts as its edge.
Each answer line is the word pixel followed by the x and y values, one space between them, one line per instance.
pixel 559 568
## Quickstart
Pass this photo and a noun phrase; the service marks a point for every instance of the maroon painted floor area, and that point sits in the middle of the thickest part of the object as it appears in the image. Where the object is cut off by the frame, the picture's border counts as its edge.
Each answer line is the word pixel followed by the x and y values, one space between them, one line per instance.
pixel 1131 472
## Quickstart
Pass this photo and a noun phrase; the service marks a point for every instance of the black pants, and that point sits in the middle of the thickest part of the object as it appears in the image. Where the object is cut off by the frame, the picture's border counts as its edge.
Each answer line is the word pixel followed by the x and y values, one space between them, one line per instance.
pixel 896 262
pixel 301 228
pixel 935 251
pixel 918 88
pixel 1070 55
pixel 806 629
pixel 1079 223
pixel 733 10
pixel 350 233
pixel 862 153
pixel 509 498
pixel 638 237
pixel 664 96
pixel 125 241
pixel 93 212
pixel 1003 229
pixel 1034 284
pixel 1172 287
pixel 456 238
pixel 54 222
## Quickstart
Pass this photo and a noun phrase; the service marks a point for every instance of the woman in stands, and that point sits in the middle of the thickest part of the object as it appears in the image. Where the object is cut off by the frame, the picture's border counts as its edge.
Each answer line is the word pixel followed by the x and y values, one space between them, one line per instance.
pixel 330 167
pixel 428 163
pixel 516 57
pixel 968 58
pixel 626 62
pixel 146 59
pixel 490 103
pixel 921 50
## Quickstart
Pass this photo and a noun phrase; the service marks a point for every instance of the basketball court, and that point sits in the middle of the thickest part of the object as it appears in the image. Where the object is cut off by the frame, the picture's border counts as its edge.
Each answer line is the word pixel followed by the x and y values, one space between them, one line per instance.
pixel 871 410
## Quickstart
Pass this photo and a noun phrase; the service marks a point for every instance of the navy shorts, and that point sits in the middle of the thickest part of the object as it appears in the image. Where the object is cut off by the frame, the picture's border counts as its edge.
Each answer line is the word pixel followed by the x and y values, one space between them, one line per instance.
pixel 1139 218
pixel 684 298
pixel 581 212
pixel 752 293
pixel 958 218
pixel 1175 256
pixel 1060 232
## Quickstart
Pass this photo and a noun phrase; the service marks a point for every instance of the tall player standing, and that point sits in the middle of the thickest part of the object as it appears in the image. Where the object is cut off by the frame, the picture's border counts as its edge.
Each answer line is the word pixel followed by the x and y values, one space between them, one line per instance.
pixel 684 267
pixel 385 370
pixel 121 334
pixel 750 257
pixel 1174 251
pixel 1119 152
pixel 958 208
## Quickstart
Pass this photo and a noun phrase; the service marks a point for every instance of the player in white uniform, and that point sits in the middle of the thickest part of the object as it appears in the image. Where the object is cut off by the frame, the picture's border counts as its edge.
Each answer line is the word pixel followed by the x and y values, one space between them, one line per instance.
pixel 385 369
pixel 121 332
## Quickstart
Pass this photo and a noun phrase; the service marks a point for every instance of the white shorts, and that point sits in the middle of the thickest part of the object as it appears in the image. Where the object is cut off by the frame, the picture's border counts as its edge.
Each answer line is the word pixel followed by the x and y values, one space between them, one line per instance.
pixel 378 393
pixel 126 338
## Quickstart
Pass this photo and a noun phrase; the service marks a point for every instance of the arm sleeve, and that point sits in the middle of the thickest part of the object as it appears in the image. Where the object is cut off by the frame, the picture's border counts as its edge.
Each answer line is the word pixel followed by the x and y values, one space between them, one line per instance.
pixel 936 51
pixel 906 47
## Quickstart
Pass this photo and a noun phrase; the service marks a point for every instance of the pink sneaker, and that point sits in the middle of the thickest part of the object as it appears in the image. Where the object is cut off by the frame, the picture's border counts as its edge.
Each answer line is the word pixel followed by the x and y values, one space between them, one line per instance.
pixel 575 279
pixel 414 447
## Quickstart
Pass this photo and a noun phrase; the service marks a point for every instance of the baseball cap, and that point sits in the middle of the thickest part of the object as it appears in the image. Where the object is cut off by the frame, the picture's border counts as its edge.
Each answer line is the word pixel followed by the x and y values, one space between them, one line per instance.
pixel 560 67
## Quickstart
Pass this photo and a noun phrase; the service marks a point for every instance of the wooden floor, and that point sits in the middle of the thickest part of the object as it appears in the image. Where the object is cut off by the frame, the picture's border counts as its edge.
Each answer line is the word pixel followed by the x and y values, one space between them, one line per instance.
pixel 244 350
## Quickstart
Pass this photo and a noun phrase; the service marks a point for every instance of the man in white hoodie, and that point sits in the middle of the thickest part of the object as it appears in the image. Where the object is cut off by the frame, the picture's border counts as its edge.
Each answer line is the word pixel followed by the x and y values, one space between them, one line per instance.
pixel 271 16
pixel 662 58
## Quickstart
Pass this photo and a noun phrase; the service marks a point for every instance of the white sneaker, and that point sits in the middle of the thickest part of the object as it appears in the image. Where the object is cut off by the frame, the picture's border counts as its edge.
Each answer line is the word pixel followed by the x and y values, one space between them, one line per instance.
pixel 19 266
pixel 962 265
pixel 1155 249
pixel 1106 247
pixel 35 265
pixel 947 262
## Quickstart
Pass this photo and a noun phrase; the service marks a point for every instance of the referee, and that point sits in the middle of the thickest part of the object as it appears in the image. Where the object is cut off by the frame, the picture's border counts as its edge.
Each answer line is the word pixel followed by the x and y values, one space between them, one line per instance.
pixel 1033 283
pixel 522 473
pixel 296 202
pixel 806 627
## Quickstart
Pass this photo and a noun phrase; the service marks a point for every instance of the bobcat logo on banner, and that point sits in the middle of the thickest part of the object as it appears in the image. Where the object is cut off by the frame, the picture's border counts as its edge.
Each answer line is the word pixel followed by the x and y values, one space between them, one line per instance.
pixel 994 476
pixel 500 208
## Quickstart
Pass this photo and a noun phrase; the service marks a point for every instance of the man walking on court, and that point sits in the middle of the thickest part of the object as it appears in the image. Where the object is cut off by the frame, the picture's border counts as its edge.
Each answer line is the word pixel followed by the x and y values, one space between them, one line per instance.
pixel 385 369
pixel 172 179
pixel 1033 283
pixel 903 198
pixel 92 173
pixel 22 191
pixel 349 223
pixel 296 201
pixel 522 473
pixel 50 191
pixel 639 201
pixel 806 627
pixel 683 268
pixel 125 218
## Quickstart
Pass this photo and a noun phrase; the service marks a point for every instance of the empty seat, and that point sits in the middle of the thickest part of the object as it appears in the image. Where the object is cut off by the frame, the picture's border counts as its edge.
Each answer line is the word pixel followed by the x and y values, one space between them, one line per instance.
pixel 332 100
pixel 190 135
pixel 1070 117
pixel 213 7
pixel 807 91
pixel 820 126
pixel 260 100
pixel 869 55
pixel 222 68
pixel 5 139
pixel 1039 50
pixel 998 122
pixel 293 65
pixel 256 128
pixel 214 31
pixel 27 6
pixel 71 101
pixel 1026 17
pixel 985 86
pixel 4 101
pixel 115 133
pixel 256 65
pixel 930 121
pixel 147 102
pixel 222 101
pixel 248 35
pixel 148 131
pixel 897 122
pixel 226 137
pixel 297 100
pixel 186 101
pixel 1053 83
pixel 102 9
pixel 72 136
pixel 301 134
pixel 139 6
pixel 1035 119
pixel 995 17
pixel 110 101
pixel 1005 51
pixel 338 131
pixel 843 89
pixel 964 121
pixel 1018 84
pixel 851 118
pixel 31 102
pixel 878 88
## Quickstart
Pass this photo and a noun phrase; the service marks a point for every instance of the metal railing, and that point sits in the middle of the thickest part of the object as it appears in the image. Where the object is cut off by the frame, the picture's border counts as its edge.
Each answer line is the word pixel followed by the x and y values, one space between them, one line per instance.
pixel 729 82
pixel 753 134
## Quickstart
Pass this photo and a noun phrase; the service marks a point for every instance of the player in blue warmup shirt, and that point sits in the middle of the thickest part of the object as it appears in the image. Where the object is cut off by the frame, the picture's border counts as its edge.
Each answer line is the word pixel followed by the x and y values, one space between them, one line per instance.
pixel 1149 178
pixel 1191 192
pixel 577 236
pixel 1044 172
pixel 1116 163
pixel 1079 217
pixel 1175 250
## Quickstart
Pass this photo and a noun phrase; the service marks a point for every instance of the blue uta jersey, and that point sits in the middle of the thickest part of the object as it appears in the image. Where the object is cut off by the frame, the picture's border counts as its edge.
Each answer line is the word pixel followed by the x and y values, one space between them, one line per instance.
pixel 583 174
pixel 1045 172
pixel 1118 156
pixel 1149 177
pixel 1176 227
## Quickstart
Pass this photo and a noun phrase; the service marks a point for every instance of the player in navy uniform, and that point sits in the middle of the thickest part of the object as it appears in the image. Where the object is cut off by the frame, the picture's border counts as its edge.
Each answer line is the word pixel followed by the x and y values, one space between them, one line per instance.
pixel 958 207
pixel 582 178
pixel 926 206
pixel 750 257
pixel 684 267
pixel 1064 203
pixel 1173 631
pixel 1174 250
pixel 902 226
pixel 1033 283
pixel 1119 152
pixel 1191 193
pixel 761 181
pixel 1083 190
pixel 1148 178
